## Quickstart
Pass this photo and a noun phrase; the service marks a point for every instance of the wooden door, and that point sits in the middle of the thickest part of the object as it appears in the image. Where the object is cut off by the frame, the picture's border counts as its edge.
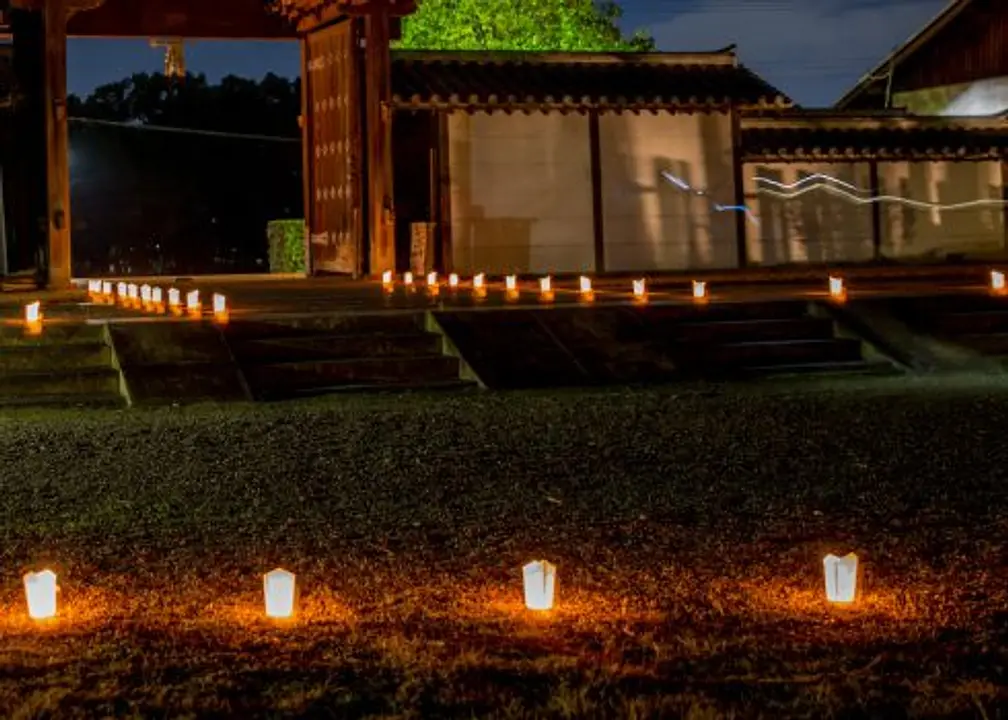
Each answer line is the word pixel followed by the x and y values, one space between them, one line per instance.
pixel 335 207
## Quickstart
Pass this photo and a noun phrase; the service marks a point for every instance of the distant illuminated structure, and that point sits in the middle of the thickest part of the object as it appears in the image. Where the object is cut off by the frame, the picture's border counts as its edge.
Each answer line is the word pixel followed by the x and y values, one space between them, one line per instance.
pixel 174 61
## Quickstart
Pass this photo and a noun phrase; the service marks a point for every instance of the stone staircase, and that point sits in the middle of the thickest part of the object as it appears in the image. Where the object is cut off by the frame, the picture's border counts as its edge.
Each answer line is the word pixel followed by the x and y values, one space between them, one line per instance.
pixel 756 339
pixel 978 323
pixel 66 366
pixel 540 348
pixel 297 357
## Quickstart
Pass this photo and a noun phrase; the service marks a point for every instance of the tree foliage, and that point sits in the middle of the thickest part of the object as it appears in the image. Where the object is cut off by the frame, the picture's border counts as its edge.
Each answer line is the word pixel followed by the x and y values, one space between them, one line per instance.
pixel 268 107
pixel 522 25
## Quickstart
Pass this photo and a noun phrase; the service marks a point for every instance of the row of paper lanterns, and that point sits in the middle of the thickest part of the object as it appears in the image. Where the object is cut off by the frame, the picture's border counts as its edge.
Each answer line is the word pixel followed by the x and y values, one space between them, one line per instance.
pixel 539 578
pixel 639 288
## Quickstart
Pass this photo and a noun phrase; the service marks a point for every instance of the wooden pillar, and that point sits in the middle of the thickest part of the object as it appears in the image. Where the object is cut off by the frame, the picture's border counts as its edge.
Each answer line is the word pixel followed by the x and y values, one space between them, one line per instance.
pixel 306 154
pixel 876 210
pixel 738 180
pixel 57 143
pixel 377 67
pixel 1004 196
pixel 598 222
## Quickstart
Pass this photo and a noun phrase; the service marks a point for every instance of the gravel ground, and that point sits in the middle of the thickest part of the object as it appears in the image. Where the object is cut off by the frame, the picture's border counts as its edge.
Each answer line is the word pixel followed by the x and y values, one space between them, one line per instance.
pixel 688 527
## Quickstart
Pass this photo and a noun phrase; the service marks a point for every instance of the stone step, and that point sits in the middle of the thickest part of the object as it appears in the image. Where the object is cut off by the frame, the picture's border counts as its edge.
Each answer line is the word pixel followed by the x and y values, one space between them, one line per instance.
pixel 724 312
pixel 52 334
pixel 967 323
pixel 735 331
pixel 968 303
pixel 854 368
pixel 991 344
pixel 80 382
pixel 335 347
pixel 758 354
pixel 281 378
pixel 362 324
pixel 54 358
pixel 369 388
pixel 102 400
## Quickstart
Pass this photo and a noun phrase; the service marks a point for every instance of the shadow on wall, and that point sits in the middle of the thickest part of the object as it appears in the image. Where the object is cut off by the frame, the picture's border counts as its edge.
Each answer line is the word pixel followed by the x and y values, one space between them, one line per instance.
pixel 146 201
pixel 653 223
pixel 809 213
pixel 976 227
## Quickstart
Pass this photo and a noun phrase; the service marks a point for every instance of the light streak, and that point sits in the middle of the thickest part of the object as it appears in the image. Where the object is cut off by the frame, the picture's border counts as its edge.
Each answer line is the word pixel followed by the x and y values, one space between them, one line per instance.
pixel 859 200
pixel 717 207
pixel 811 179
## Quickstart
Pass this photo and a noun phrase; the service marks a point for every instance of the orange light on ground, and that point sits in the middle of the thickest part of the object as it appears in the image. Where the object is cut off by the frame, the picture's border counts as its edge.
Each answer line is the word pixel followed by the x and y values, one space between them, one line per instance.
pixel 546 288
pixel 453 281
pixel 278 591
pixel 640 290
pixel 175 300
pixel 997 282
pixel 407 279
pixel 540 585
pixel 585 288
pixel 33 318
pixel 699 290
pixel 145 296
pixel 193 305
pixel 40 594
pixel 221 312
pixel 841 578
pixel 157 299
pixel 837 290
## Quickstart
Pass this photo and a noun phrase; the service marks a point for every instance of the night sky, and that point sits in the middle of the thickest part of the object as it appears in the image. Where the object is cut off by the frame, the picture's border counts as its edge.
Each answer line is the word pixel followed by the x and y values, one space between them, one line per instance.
pixel 812 49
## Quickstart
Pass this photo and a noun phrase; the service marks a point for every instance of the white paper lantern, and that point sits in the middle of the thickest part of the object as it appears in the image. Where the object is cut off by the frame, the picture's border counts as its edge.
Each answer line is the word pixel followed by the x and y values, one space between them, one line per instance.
pixel 540 585
pixel 699 290
pixel 453 280
pixel 837 290
pixel 278 589
pixel 640 289
pixel 841 578
pixel 40 593
pixel 997 281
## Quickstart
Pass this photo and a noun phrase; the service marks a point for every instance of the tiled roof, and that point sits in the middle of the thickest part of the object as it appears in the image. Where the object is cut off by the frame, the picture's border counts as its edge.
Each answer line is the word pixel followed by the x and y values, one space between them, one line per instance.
pixel 848 138
pixel 633 82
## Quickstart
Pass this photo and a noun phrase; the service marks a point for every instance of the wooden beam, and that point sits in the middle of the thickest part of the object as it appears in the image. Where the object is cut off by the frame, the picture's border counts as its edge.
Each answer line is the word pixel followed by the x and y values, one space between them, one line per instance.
pixel 1004 196
pixel 379 121
pixel 225 19
pixel 738 180
pixel 876 209
pixel 444 213
pixel 307 156
pixel 57 144
pixel 598 221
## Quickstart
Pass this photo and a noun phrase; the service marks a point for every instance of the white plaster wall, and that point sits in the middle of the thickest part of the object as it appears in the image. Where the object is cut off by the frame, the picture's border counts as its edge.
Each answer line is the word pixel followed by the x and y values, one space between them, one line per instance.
pixel 651 224
pixel 521 198
pixel 934 232
pixel 803 222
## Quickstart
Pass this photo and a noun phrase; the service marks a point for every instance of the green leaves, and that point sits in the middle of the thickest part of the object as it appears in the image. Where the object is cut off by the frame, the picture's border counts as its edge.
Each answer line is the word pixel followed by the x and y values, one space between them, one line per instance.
pixel 522 25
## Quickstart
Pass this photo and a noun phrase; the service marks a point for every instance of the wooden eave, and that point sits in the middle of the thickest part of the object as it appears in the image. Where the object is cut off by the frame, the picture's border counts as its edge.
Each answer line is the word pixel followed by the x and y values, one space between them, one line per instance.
pixel 898 56
pixel 308 14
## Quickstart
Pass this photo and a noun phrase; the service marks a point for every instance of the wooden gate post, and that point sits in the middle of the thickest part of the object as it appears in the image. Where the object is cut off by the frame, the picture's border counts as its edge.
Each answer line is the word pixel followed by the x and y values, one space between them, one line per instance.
pixel 56 14
pixel 377 67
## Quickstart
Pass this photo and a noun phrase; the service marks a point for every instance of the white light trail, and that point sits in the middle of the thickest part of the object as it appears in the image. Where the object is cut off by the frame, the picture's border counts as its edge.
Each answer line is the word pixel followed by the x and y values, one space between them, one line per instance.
pixel 895 199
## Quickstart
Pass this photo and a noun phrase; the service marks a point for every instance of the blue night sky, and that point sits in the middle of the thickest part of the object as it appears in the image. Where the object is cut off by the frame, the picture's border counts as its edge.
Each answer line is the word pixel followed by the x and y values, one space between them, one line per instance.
pixel 812 49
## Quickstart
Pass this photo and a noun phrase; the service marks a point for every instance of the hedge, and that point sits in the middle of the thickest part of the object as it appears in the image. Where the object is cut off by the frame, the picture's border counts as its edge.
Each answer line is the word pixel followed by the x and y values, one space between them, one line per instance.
pixel 286 246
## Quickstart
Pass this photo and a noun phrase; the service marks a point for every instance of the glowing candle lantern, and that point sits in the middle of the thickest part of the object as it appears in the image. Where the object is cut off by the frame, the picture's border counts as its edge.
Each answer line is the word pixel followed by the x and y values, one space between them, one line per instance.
pixel 40 593
pixel 121 293
pixel 94 289
pixel 585 288
pixel 433 286
pixel 157 299
pixel 997 281
pixel 511 287
pixel 540 585
pixel 33 318
pixel 278 588
pixel 107 292
pixel 640 290
pixel 193 304
pixel 453 281
pixel 841 578
pixel 546 288
pixel 837 290
pixel 145 296
pixel 220 308
pixel 407 279
pixel 133 295
pixel 175 300
pixel 479 286
pixel 386 278
pixel 699 290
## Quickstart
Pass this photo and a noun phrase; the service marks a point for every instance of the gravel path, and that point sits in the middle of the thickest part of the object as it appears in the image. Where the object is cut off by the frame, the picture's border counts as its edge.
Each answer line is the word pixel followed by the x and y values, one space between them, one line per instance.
pixel 688 528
